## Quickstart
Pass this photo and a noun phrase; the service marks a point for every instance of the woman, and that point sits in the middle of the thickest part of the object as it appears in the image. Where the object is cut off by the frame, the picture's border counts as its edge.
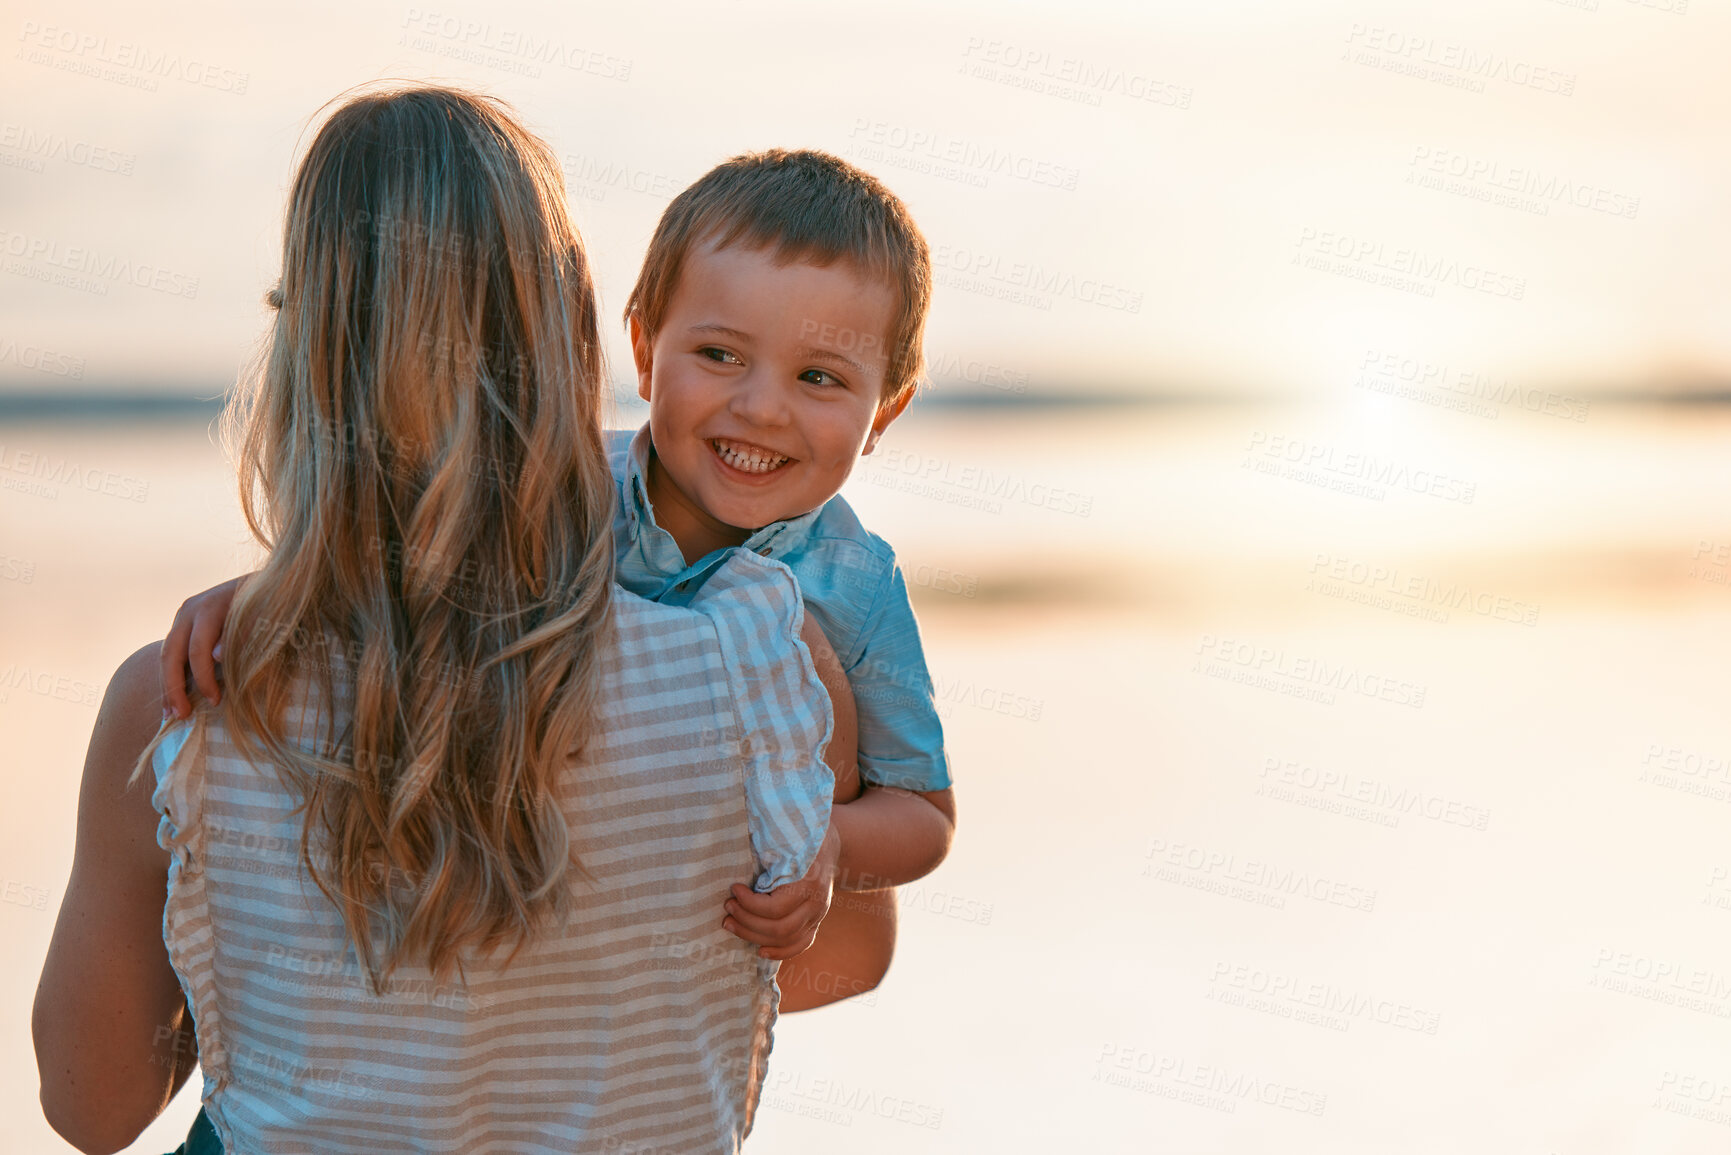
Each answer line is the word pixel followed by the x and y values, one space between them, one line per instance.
pixel 444 869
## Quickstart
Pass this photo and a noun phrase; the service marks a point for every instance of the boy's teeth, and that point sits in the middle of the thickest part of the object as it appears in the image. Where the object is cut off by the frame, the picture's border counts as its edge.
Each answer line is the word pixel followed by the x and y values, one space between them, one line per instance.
pixel 747 459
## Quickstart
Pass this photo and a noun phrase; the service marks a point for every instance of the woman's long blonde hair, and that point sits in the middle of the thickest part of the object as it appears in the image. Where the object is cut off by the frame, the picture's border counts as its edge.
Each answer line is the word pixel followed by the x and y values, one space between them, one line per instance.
pixel 420 451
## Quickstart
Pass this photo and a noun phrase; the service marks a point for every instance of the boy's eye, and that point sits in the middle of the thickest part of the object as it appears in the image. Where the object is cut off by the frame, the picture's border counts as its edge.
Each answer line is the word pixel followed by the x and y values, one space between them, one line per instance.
pixel 812 375
pixel 721 355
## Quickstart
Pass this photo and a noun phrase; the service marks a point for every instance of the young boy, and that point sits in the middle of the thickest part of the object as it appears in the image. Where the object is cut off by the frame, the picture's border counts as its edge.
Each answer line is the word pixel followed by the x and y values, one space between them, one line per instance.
pixel 776 330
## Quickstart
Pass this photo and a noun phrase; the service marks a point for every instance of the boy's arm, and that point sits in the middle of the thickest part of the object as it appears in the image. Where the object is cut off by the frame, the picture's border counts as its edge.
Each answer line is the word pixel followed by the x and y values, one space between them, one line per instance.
pixel 885 832
pixel 890 837
pixel 900 829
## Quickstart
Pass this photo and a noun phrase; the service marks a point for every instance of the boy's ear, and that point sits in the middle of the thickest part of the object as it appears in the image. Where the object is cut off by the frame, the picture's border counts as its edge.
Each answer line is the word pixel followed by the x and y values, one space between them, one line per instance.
pixel 888 411
pixel 643 353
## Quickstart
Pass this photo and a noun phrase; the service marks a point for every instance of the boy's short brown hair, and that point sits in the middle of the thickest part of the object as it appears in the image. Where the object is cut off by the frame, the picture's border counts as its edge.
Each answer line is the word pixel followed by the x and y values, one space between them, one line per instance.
pixel 807 206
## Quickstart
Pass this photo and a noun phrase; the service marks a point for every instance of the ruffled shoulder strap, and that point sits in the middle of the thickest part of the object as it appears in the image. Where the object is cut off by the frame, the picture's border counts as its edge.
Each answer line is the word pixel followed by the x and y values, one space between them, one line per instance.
pixel 179 764
pixel 783 710
pixel 176 796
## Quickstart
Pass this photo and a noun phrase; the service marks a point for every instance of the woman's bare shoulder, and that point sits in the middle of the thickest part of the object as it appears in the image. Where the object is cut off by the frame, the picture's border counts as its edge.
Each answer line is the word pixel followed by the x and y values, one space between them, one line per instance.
pixel 131 715
pixel 135 691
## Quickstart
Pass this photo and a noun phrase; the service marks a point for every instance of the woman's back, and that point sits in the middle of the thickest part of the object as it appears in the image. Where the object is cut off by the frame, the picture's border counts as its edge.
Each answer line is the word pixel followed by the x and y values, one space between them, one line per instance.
pixel 444 735
pixel 640 1026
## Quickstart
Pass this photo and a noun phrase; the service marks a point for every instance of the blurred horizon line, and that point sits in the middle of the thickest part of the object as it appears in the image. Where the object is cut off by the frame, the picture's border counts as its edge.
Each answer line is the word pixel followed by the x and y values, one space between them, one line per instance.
pixel 98 404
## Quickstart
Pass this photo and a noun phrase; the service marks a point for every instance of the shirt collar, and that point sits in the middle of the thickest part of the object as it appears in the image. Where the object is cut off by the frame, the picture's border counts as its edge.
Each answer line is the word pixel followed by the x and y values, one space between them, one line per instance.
pixel 773 540
pixel 637 505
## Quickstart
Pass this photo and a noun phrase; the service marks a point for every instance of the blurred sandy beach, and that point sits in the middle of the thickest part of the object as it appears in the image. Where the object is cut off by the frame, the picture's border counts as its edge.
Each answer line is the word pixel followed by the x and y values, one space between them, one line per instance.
pixel 1293 817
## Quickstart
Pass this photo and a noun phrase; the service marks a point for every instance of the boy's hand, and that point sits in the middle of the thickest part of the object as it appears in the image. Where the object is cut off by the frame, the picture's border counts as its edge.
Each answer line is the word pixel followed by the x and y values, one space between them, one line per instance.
pixel 784 922
pixel 195 640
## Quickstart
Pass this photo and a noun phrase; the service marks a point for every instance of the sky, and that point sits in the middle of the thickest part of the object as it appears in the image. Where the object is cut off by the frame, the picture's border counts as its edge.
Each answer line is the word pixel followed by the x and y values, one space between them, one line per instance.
pixel 1230 199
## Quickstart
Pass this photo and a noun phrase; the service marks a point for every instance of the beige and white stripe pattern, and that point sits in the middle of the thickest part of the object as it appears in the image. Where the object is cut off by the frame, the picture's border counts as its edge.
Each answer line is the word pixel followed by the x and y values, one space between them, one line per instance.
pixel 641 1027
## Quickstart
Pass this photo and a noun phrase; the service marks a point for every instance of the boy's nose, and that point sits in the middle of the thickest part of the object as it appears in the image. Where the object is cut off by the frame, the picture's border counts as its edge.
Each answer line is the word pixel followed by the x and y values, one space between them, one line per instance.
pixel 761 400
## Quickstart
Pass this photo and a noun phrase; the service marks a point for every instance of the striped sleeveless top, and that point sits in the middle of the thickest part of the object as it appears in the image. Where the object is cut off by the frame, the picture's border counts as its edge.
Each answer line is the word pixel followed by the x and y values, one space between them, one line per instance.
pixel 639 1028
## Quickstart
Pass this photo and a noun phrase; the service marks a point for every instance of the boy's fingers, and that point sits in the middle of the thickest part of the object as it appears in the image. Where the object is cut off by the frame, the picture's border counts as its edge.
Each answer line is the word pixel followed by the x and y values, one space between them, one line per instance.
pixel 783 917
pixel 771 946
pixel 205 632
pixel 750 936
pixel 173 658
pixel 781 901
pixel 774 929
pixel 783 930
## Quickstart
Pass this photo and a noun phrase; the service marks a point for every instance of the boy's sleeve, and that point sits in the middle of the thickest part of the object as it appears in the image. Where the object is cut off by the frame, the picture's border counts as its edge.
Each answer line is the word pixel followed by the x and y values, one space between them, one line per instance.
pixel 901 739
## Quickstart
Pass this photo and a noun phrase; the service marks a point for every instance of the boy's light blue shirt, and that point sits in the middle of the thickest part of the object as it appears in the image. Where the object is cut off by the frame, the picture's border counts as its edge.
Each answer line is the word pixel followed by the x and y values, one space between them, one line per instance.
pixel 850 581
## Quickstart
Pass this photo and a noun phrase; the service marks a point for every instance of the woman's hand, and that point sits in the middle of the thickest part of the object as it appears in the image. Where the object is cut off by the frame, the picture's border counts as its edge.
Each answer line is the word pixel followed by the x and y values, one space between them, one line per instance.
pixel 784 922
pixel 195 641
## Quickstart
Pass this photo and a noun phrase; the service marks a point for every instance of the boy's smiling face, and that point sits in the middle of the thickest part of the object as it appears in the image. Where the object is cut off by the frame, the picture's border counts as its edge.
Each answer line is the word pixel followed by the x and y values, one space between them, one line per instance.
pixel 764 386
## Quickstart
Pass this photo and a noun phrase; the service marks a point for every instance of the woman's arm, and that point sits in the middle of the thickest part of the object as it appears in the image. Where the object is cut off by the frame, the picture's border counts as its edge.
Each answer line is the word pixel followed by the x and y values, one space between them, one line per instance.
pixel 110 1018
